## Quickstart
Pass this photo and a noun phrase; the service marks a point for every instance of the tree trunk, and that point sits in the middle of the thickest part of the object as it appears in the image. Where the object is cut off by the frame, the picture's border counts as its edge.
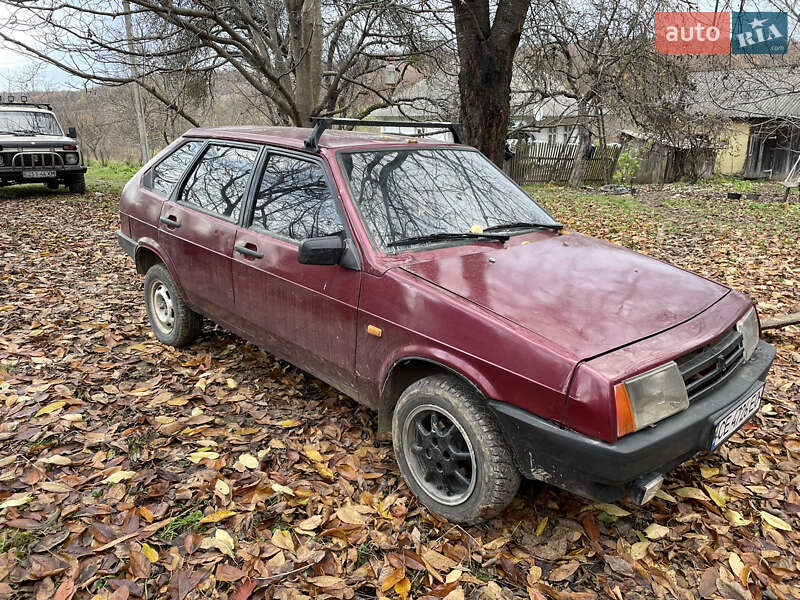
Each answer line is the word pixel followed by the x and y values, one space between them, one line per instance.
pixel 144 144
pixel 305 29
pixel 584 143
pixel 486 54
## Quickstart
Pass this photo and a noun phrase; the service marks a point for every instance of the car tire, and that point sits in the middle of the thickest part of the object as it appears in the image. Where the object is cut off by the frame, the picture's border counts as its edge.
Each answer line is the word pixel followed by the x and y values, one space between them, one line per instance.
pixel 451 452
pixel 77 184
pixel 173 323
pixel 52 185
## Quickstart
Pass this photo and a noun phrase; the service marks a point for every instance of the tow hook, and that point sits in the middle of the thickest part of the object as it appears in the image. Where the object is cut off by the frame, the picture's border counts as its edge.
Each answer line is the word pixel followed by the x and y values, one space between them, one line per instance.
pixel 645 488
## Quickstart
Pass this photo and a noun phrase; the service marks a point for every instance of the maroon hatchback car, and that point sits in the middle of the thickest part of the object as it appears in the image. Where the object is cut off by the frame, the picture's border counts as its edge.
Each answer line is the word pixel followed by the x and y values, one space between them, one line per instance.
pixel 417 278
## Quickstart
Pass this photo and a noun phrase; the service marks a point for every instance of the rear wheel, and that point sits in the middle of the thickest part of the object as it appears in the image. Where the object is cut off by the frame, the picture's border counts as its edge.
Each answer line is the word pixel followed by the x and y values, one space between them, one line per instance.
pixel 77 183
pixel 173 323
pixel 451 452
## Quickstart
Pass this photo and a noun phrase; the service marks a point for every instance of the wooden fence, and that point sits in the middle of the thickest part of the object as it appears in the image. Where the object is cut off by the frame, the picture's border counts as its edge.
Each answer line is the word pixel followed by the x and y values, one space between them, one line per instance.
pixel 538 163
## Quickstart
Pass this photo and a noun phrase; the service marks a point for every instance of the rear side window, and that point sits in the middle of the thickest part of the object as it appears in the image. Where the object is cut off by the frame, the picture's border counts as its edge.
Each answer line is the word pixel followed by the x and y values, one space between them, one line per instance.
pixel 219 181
pixel 294 200
pixel 168 172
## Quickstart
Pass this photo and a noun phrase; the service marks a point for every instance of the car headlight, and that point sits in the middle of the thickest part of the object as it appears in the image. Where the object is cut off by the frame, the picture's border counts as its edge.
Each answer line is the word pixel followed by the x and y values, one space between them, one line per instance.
pixel 650 397
pixel 71 158
pixel 748 327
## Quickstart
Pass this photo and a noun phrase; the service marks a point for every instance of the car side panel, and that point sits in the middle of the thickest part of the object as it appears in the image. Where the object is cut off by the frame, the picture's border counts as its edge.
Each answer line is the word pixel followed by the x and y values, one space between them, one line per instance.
pixel 310 310
pixel 201 248
pixel 419 320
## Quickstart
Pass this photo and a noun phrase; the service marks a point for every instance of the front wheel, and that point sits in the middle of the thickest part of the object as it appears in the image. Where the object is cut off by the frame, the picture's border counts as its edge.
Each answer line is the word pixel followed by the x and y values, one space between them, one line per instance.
pixel 450 451
pixel 77 183
pixel 173 323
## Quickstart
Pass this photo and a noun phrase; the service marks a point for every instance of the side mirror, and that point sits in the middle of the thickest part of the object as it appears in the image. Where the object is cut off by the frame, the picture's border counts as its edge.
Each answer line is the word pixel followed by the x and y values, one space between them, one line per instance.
pixel 72 133
pixel 326 250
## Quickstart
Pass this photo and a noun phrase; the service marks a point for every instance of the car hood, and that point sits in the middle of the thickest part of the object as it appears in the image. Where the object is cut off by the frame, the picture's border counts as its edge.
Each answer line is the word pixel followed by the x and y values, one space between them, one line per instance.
pixel 27 141
pixel 584 295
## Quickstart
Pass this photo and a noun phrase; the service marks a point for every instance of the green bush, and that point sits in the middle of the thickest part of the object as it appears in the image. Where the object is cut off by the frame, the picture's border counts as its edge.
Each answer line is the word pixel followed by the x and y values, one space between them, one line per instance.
pixel 628 165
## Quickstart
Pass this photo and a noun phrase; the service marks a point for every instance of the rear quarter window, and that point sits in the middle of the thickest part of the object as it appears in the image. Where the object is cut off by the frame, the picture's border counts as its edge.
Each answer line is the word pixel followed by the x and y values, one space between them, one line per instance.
pixel 167 173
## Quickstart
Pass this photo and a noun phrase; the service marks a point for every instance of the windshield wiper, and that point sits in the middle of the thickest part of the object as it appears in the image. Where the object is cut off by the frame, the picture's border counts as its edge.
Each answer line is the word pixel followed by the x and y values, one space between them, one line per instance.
pixel 441 237
pixel 523 225
pixel 22 132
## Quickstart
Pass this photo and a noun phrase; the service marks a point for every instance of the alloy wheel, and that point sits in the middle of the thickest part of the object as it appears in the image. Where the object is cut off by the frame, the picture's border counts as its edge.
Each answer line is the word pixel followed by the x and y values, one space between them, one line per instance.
pixel 440 454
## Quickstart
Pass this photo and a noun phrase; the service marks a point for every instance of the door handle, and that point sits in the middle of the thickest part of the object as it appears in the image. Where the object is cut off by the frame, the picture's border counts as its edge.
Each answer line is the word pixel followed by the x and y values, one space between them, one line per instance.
pixel 248 251
pixel 170 221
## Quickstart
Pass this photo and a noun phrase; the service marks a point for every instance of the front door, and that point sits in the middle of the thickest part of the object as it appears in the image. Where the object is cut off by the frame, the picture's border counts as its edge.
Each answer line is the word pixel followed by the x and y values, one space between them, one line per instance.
pixel 198 227
pixel 305 313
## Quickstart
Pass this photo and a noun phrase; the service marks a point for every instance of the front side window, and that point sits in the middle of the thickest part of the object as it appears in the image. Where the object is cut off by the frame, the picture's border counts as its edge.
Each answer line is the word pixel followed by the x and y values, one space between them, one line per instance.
pixel 405 194
pixel 28 122
pixel 168 172
pixel 219 181
pixel 294 200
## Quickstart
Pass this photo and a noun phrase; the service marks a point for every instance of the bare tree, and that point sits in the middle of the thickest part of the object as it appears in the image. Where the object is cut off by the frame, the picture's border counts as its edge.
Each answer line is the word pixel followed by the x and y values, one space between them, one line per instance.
pixel 304 56
pixel 590 56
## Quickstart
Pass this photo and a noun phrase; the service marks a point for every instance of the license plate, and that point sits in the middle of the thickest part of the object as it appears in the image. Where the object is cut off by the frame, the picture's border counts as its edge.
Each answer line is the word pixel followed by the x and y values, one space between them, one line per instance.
pixel 726 426
pixel 38 174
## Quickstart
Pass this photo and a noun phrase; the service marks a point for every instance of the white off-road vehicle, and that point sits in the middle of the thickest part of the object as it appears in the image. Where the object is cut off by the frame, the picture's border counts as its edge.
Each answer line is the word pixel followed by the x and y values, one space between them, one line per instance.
pixel 34 149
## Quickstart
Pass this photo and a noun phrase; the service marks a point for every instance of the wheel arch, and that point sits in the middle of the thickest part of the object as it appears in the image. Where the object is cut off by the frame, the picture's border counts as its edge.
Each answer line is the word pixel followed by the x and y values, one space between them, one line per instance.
pixel 146 258
pixel 149 253
pixel 402 374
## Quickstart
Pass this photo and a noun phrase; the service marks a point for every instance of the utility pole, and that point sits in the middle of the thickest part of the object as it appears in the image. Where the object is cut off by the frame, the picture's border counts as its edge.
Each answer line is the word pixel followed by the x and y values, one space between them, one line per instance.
pixel 144 146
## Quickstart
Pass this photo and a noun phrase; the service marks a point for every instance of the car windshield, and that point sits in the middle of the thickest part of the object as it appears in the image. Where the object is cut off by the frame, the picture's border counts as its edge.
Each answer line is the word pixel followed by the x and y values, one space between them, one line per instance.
pixel 407 194
pixel 29 122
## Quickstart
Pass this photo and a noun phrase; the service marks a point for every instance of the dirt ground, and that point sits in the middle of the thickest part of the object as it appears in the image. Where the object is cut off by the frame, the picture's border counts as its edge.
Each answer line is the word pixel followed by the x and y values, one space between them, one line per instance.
pixel 132 470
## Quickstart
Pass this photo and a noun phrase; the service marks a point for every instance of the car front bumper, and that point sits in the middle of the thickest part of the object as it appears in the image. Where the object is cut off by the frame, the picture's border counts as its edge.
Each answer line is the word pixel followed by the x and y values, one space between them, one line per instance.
pixel 15 174
pixel 606 471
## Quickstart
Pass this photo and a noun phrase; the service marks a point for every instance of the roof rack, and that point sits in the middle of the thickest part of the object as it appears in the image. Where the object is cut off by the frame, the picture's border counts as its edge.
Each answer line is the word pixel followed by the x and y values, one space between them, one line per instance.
pixel 23 101
pixel 323 123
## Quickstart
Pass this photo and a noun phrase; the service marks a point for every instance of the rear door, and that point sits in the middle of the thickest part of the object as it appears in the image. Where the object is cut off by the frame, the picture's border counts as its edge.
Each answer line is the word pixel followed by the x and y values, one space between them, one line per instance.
pixel 306 313
pixel 198 225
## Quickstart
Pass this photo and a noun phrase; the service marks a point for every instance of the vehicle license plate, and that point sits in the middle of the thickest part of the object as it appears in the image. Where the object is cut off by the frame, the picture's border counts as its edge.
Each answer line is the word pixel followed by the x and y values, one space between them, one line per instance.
pixel 737 417
pixel 38 173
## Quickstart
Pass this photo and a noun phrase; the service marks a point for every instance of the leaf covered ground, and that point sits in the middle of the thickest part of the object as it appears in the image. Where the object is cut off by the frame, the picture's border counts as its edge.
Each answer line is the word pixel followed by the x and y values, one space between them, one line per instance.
pixel 132 470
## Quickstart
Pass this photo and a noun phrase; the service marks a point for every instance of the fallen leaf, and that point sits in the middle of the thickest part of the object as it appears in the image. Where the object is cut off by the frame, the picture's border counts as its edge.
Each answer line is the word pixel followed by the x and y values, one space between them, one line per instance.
pixel 393 578
pixel 150 552
pixel 692 493
pixel 611 509
pixel 50 408
pixel 774 521
pixel 16 500
pixel 119 476
pixel 562 572
pixel 218 516
pixel 655 531
pixel 348 514
pixel 249 461
pixel 327 581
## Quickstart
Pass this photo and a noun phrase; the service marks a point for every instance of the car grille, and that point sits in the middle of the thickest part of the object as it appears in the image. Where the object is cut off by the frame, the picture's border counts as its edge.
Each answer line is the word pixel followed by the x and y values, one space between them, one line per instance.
pixel 32 159
pixel 708 367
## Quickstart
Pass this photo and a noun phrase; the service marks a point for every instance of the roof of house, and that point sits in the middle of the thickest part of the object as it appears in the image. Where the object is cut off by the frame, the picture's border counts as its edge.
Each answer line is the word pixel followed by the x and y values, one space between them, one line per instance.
pixel 748 93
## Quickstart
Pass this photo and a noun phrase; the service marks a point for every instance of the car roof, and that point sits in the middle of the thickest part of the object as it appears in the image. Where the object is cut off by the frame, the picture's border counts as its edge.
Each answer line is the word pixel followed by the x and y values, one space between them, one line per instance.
pixel 23 107
pixel 295 137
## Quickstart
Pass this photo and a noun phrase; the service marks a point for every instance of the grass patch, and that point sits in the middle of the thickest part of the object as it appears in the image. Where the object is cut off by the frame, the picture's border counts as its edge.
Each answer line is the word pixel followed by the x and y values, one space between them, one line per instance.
pixel 365 551
pixel 21 541
pixel 110 178
pixel 184 522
